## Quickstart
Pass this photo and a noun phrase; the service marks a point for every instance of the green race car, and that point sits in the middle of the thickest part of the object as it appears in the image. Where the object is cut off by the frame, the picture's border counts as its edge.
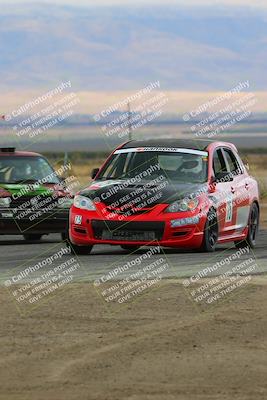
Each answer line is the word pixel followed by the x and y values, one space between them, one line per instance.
pixel 34 200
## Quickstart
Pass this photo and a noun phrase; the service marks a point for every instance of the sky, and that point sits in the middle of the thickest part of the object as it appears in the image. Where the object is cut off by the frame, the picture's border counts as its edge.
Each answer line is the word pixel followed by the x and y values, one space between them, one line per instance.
pixel 229 3
pixel 105 52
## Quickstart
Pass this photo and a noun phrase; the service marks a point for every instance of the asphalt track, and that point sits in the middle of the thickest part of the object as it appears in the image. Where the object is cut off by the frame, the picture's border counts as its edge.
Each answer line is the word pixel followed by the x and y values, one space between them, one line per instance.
pixel 16 255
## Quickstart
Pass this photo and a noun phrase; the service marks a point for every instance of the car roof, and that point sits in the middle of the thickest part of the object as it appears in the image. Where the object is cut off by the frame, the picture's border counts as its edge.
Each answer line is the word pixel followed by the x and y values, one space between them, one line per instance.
pixel 194 144
pixel 9 151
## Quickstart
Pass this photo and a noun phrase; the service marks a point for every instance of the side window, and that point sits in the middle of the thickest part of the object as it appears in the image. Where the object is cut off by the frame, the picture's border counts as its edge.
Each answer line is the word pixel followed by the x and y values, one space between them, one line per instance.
pixel 232 162
pixel 242 165
pixel 218 162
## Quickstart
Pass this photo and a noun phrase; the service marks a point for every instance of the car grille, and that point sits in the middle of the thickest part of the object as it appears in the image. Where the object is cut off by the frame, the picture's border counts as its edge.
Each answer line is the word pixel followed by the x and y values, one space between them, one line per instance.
pixel 33 202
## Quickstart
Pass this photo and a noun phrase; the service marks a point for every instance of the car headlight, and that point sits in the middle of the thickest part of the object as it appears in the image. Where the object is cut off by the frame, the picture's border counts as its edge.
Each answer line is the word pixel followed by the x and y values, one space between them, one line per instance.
pixel 5 201
pixel 65 202
pixel 182 206
pixel 84 203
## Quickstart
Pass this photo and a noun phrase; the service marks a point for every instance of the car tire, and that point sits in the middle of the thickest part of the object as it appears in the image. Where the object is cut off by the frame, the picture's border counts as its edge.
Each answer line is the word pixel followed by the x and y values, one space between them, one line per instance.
pixel 129 247
pixel 210 236
pixel 80 250
pixel 31 237
pixel 253 228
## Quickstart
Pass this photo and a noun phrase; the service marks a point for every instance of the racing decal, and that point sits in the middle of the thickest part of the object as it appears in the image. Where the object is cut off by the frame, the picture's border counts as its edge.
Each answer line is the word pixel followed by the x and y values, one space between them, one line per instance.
pixel 94 186
pixel 6 215
pixel 160 149
pixel 103 184
pixel 229 208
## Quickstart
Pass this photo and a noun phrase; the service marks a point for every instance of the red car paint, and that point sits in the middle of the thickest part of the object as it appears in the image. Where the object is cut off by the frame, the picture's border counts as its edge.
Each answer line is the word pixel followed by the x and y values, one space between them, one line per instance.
pixel 233 214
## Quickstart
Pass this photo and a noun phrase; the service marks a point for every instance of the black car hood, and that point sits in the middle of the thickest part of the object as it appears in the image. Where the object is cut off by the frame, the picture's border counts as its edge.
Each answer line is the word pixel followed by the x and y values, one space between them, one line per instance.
pixel 111 191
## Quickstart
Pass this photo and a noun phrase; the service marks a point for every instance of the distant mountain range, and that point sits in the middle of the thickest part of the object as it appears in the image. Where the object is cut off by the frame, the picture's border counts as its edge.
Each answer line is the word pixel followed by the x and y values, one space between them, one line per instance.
pixel 121 48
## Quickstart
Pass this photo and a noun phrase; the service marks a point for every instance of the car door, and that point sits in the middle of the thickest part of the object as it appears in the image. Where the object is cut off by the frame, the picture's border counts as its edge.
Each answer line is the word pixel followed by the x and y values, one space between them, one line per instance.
pixel 240 194
pixel 222 196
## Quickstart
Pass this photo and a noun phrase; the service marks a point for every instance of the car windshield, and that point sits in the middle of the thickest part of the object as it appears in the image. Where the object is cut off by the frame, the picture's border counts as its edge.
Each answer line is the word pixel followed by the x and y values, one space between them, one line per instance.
pixel 178 165
pixel 26 170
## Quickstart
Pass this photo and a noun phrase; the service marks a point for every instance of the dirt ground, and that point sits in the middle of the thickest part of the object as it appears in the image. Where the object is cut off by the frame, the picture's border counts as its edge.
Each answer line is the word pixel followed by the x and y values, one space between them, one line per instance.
pixel 160 347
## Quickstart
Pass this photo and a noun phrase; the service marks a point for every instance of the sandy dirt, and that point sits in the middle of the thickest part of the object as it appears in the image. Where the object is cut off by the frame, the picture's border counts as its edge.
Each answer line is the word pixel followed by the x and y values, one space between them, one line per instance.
pixel 160 347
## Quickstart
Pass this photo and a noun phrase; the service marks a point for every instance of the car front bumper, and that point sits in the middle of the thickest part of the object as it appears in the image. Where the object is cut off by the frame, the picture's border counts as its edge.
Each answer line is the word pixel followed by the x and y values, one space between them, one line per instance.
pixel 48 222
pixel 93 229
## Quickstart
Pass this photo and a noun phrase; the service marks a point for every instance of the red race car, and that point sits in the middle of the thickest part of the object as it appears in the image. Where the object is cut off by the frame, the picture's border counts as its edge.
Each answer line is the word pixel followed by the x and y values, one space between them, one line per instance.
pixel 172 193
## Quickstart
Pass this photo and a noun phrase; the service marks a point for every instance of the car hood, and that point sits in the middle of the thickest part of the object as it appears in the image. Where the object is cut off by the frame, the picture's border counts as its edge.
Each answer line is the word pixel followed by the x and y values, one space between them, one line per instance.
pixel 30 189
pixel 109 192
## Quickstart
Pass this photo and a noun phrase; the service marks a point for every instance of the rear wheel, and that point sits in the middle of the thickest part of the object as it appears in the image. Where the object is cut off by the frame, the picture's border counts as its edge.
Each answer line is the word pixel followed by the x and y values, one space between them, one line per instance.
pixel 253 228
pixel 210 233
pixel 82 250
pixel 32 237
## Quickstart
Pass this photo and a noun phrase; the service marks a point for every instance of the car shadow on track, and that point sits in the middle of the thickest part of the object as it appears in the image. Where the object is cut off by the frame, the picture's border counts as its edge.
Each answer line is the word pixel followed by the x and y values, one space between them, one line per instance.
pixel 97 251
pixel 19 240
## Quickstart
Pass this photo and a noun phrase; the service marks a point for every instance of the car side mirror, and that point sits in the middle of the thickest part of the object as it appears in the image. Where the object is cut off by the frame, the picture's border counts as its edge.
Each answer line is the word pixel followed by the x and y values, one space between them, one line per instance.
pixel 94 172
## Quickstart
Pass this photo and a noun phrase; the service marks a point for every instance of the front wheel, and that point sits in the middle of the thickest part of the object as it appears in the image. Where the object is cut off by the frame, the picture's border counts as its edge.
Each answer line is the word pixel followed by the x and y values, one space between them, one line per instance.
pixel 210 236
pixel 80 250
pixel 253 228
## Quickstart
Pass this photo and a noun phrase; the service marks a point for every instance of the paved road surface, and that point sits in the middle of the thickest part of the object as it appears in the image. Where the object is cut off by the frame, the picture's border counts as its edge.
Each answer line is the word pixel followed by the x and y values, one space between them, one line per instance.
pixel 16 255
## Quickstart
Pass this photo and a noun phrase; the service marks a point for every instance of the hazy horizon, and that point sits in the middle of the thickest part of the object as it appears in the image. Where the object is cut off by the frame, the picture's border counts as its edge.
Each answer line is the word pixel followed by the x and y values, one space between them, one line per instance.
pixel 197 51
pixel 90 3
